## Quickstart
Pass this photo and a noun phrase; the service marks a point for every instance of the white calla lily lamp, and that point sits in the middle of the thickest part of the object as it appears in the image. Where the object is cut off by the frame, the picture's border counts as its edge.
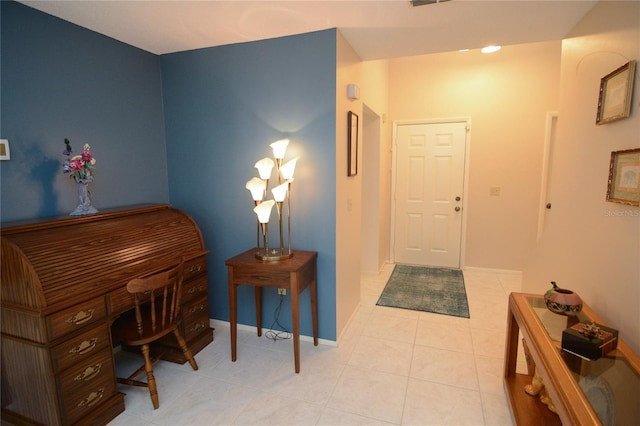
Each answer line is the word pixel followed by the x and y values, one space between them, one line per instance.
pixel 281 195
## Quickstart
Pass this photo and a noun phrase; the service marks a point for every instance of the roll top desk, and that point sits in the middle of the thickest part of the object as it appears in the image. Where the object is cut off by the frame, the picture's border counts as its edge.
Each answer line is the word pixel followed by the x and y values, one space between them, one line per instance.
pixel 62 285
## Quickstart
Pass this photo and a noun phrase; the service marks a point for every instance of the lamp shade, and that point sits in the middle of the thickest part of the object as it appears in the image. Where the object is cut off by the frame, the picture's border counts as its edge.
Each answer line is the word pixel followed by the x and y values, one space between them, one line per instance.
pixel 280 192
pixel 264 167
pixel 257 187
pixel 263 210
pixel 279 148
pixel 288 168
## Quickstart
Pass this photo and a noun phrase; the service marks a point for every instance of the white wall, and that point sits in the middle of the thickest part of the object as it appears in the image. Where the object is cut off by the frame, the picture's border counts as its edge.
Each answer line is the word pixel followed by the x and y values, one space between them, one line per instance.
pixel 348 190
pixel 589 245
pixel 507 95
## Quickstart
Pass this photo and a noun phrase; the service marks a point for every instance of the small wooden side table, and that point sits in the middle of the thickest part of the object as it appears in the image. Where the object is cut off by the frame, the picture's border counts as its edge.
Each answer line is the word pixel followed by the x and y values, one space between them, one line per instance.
pixel 294 274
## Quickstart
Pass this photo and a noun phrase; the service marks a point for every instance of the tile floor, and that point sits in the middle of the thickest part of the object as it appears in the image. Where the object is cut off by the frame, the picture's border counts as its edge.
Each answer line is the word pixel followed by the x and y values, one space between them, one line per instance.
pixel 392 367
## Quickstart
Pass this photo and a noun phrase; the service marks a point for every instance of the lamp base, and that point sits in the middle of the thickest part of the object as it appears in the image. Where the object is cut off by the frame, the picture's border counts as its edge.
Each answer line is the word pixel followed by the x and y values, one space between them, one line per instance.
pixel 273 255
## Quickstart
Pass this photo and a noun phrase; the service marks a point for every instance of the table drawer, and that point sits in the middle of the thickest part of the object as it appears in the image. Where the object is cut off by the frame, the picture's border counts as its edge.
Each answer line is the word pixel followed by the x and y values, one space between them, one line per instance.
pixel 76 317
pixel 258 277
pixel 80 348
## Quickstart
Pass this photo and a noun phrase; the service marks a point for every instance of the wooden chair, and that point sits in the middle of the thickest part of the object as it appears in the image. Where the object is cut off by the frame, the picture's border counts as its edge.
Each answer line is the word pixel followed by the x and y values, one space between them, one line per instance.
pixel 157 314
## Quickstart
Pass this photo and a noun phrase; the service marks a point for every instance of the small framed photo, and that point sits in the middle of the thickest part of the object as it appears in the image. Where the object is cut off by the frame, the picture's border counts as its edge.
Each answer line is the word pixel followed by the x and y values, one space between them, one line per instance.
pixel 352 142
pixel 5 154
pixel 616 88
pixel 624 177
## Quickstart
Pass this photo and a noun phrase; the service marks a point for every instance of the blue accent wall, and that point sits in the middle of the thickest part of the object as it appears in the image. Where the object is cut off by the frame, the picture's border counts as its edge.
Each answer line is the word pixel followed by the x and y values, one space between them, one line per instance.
pixel 58 81
pixel 185 128
pixel 223 107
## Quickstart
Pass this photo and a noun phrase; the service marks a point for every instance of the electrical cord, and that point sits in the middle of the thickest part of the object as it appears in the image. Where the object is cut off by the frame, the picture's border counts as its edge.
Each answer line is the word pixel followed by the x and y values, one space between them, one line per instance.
pixel 283 333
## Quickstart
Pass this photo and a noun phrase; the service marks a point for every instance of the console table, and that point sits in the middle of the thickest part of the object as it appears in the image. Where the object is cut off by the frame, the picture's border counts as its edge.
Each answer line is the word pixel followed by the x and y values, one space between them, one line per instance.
pixel 63 283
pixel 584 392
pixel 294 274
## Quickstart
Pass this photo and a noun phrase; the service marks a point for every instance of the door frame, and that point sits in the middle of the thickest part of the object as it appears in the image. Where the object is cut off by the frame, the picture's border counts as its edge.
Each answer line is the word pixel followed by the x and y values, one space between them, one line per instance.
pixel 394 151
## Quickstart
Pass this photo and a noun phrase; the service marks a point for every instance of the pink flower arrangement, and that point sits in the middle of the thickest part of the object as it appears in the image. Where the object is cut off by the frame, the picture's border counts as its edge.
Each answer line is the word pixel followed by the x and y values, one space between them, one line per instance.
pixel 79 166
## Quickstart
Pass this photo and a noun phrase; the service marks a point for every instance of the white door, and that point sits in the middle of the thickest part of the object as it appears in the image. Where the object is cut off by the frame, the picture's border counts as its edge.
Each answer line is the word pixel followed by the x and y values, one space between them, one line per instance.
pixel 428 189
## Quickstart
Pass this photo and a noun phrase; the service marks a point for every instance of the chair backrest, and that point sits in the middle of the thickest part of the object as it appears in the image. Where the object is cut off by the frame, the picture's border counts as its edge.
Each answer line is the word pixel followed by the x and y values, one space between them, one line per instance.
pixel 162 293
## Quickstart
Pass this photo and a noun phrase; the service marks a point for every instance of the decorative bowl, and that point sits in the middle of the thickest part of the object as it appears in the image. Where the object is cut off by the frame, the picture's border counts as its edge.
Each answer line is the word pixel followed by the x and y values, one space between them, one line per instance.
pixel 562 301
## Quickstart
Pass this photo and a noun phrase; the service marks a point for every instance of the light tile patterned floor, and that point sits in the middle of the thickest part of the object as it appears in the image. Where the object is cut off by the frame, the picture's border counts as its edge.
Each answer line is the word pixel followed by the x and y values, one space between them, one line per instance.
pixel 392 367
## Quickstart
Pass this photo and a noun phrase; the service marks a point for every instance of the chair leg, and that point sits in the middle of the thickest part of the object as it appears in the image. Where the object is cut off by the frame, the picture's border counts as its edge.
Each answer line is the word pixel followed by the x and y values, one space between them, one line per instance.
pixel 185 349
pixel 151 380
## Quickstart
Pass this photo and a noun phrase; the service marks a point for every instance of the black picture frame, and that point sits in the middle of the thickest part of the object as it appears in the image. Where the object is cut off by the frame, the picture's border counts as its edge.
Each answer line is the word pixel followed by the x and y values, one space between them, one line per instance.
pixel 352 144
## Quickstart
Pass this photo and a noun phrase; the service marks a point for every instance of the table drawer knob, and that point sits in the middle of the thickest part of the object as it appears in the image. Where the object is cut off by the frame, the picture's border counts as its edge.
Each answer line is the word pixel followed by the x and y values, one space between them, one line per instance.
pixel 195 268
pixel 89 373
pixel 92 399
pixel 84 347
pixel 80 317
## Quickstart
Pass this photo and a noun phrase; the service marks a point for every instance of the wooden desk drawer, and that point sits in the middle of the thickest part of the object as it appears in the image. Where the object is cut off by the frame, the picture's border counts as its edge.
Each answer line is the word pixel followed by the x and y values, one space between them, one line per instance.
pixel 263 279
pixel 79 349
pixel 194 267
pixel 194 289
pixel 74 318
pixel 84 400
pixel 197 308
pixel 82 377
pixel 195 325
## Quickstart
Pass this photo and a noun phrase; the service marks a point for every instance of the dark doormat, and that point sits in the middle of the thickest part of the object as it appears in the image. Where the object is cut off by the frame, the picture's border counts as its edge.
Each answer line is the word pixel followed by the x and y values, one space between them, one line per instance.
pixel 437 290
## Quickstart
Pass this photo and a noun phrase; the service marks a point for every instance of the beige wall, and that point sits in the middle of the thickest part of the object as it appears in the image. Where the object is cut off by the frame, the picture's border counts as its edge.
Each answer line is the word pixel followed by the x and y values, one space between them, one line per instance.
pixel 348 191
pixel 506 95
pixel 376 176
pixel 590 245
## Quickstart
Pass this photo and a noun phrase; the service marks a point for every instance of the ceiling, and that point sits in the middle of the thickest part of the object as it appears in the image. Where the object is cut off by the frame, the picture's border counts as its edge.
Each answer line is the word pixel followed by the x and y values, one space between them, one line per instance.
pixel 375 29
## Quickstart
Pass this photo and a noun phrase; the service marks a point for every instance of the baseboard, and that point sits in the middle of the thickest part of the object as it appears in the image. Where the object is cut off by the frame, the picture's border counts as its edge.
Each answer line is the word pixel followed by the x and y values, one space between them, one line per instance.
pixel 219 323
pixel 490 270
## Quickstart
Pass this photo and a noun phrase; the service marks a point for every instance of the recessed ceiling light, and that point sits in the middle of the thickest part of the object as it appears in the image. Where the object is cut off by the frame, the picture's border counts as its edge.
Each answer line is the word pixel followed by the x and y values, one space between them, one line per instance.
pixel 490 49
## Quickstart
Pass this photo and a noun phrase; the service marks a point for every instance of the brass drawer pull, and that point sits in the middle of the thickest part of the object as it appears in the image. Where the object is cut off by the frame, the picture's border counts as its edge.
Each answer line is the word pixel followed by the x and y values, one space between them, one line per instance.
pixel 80 317
pixel 200 307
pixel 194 269
pixel 84 347
pixel 89 373
pixel 195 289
pixel 92 399
pixel 198 326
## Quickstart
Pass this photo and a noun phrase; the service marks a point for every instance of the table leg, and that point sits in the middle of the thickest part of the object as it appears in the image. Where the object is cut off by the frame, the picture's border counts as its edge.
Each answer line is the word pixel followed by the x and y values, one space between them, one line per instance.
pixel 295 318
pixel 257 296
pixel 233 314
pixel 314 310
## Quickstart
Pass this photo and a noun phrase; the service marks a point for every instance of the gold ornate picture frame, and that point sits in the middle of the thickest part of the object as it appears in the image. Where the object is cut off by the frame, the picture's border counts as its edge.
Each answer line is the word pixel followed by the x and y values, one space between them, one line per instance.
pixel 624 177
pixel 616 89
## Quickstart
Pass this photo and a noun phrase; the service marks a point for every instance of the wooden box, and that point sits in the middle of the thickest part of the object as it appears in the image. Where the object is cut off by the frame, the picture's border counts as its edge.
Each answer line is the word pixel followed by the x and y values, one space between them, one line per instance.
pixel 576 340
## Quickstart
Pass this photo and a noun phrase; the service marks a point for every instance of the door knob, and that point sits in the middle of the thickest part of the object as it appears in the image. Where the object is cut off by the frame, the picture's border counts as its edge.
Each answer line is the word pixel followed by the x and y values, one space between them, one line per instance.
pixel 457 209
pixel 548 206
pixel 457 198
